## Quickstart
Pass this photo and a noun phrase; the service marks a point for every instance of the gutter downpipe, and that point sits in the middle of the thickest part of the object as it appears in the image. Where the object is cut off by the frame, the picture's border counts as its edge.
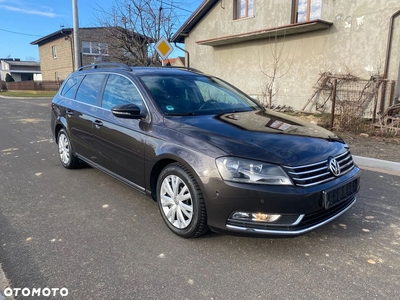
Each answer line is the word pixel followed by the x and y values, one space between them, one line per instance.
pixel 187 62
pixel 388 50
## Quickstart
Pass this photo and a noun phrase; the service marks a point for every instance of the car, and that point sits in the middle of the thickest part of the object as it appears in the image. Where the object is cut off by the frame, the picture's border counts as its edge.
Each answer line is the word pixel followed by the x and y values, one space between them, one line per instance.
pixel 211 156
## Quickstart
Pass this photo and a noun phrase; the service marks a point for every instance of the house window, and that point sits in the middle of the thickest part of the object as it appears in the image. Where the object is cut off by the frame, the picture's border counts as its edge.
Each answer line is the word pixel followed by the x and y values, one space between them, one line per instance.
pixel 94 48
pixel 243 9
pixel 54 51
pixel 306 10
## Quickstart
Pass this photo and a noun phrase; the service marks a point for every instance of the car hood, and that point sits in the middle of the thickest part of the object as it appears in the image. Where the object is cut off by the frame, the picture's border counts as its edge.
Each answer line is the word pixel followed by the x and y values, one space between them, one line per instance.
pixel 263 135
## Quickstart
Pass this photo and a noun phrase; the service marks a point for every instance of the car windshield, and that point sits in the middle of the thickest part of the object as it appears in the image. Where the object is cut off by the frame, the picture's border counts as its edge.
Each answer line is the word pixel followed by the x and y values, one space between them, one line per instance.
pixel 195 94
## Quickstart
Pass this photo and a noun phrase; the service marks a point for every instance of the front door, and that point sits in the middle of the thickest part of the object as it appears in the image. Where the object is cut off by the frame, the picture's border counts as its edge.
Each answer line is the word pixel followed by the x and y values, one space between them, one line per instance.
pixel 120 141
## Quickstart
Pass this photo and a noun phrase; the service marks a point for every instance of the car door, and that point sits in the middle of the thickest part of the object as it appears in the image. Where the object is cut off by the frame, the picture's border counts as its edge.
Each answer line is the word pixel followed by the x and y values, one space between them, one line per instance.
pixel 81 115
pixel 120 141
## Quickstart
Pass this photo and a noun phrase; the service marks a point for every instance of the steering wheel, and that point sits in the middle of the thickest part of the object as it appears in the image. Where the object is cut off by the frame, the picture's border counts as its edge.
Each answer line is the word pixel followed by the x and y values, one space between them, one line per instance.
pixel 208 103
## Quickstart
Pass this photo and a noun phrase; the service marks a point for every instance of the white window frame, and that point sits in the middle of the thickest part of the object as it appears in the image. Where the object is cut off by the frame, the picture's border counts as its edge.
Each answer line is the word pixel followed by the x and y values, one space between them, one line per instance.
pixel 95 46
pixel 54 51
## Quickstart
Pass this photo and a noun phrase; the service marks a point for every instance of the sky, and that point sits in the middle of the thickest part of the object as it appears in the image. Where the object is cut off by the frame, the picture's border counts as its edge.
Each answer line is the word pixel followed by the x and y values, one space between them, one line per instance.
pixel 24 21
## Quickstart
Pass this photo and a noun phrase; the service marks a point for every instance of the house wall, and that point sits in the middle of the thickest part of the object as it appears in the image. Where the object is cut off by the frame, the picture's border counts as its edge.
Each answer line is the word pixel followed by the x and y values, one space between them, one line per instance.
pixel 97 35
pixel 62 65
pixel 356 44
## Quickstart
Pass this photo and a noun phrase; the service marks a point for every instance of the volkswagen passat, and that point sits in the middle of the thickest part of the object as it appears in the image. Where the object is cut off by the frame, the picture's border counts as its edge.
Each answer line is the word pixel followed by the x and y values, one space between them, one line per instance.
pixel 211 156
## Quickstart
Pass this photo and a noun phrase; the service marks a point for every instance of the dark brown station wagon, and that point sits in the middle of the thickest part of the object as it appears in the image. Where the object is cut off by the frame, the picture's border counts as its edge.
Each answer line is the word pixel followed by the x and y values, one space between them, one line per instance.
pixel 210 155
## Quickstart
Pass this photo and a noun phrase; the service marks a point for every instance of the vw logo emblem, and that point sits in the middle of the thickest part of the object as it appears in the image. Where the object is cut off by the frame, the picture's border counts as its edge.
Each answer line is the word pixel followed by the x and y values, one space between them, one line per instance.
pixel 334 167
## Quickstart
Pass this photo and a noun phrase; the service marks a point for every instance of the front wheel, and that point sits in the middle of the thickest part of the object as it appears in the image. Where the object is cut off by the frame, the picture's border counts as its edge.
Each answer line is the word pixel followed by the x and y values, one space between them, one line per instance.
pixel 67 156
pixel 181 202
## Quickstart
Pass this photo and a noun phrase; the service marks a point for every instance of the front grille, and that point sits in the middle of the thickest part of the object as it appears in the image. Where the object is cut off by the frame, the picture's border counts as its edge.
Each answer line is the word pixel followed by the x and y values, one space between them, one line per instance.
pixel 317 173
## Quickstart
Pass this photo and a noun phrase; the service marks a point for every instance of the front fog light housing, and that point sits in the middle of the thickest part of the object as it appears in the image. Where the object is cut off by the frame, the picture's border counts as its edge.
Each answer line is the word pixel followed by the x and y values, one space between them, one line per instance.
pixel 256 217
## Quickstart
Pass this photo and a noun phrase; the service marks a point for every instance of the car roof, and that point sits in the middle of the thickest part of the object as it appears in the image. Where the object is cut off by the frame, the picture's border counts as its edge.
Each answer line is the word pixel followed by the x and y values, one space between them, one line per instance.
pixel 138 70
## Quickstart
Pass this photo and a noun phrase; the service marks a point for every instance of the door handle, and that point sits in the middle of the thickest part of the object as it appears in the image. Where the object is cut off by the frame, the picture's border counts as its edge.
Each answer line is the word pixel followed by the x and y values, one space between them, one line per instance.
pixel 98 123
pixel 69 112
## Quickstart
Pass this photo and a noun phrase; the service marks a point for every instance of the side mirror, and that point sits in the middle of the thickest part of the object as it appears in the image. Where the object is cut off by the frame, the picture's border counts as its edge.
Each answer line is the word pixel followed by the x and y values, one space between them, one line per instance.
pixel 127 111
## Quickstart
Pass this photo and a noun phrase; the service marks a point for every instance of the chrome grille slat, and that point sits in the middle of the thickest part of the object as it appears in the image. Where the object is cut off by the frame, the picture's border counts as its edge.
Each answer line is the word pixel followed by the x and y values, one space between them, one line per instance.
pixel 307 172
pixel 312 177
pixel 317 173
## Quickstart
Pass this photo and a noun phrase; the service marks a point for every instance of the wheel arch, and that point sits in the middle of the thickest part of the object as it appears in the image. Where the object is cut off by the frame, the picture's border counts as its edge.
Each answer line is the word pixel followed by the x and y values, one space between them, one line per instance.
pixel 167 159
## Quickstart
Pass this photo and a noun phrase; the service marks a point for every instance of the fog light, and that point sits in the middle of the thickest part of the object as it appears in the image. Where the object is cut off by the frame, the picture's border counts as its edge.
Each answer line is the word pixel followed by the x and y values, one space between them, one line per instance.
pixel 256 217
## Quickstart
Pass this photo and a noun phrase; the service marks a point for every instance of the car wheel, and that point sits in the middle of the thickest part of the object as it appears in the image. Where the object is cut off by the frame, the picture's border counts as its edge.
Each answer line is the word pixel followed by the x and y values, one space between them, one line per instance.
pixel 67 156
pixel 181 202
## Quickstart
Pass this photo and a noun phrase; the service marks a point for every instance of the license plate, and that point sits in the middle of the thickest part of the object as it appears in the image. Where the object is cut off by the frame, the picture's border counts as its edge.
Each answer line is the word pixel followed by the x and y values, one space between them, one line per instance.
pixel 339 194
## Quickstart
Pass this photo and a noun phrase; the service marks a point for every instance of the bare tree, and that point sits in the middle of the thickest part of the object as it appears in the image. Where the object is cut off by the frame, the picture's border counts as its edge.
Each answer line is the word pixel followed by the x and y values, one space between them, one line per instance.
pixel 134 26
pixel 278 67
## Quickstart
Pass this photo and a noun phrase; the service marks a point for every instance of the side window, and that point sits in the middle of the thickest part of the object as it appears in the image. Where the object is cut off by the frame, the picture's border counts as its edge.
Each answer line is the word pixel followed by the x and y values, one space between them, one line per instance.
pixel 120 90
pixel 54 51
pixel 71 86
pixel 90 88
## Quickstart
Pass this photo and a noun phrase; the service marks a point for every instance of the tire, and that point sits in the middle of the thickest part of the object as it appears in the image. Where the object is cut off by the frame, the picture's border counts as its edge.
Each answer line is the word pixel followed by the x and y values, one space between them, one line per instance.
pixel 66 154
pixel 181 202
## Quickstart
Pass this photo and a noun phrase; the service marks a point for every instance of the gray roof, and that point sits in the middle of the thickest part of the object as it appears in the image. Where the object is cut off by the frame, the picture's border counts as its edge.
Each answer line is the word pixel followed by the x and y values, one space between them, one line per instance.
pixel 24 63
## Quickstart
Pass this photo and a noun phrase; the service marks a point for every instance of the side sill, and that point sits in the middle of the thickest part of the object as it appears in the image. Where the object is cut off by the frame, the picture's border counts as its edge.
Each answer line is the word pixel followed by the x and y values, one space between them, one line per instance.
pixel 112 174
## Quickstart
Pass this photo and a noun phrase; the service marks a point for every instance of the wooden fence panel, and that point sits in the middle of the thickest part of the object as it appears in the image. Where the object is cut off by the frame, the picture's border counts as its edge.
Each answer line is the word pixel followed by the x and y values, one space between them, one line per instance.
pixel 34 85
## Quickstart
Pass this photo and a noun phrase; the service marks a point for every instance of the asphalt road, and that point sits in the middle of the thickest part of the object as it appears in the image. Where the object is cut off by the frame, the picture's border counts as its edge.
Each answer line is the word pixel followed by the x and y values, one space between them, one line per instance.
pixel 84 231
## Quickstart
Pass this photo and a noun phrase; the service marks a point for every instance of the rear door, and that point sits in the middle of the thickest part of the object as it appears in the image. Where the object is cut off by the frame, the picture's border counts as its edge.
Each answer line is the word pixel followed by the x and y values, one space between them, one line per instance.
pixel 81 115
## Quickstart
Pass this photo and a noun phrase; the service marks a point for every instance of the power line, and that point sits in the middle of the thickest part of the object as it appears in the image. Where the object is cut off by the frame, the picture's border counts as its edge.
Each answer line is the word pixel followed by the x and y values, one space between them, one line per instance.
pixel 177 7
pixel 20 33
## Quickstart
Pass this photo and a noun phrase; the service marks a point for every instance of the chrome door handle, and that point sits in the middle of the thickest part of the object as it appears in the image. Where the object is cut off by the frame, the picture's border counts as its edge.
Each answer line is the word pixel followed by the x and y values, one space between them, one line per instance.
pixel 98 123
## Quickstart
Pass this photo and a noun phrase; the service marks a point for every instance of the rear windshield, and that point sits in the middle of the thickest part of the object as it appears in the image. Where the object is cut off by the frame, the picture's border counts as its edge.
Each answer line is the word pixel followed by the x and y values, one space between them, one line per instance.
pixel 195 94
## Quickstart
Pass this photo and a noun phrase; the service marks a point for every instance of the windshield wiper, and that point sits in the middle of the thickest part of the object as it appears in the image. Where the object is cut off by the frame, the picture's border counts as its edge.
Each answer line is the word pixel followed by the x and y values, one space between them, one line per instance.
pixel 180 114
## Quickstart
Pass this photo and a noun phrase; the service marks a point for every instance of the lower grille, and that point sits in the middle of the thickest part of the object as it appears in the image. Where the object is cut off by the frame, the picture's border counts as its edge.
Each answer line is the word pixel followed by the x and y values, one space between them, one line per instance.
pixel 308 223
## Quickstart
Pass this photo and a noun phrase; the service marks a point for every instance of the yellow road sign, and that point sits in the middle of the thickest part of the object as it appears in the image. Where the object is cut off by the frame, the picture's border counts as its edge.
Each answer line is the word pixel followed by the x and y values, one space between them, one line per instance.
pixel 163 48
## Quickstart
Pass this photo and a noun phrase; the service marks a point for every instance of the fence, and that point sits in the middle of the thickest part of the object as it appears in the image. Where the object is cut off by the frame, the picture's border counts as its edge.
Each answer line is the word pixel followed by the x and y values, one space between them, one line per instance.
pixel 34 85
pixel 350 99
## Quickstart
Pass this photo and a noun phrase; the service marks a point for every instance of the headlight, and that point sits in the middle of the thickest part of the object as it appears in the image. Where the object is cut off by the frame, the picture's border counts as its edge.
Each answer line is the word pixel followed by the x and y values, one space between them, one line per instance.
pixel 249 171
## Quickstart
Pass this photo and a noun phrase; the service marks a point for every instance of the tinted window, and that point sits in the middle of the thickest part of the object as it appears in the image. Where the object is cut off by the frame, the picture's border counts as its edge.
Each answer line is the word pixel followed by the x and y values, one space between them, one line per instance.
pixel 187 94
pixel 120 90
pixel 90 88
pixel 71 86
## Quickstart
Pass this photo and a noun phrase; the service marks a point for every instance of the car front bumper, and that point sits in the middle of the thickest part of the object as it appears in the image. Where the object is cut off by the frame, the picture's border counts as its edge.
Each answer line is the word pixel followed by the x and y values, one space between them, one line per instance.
pixel 302 209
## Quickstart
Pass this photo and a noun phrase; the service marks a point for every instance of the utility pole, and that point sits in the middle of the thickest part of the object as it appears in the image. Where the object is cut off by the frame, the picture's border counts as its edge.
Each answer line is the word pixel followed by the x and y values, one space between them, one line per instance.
pixel 77 55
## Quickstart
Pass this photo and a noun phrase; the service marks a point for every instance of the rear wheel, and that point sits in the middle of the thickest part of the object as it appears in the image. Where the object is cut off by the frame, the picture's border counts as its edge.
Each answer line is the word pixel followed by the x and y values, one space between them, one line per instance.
pixel 181 202
pixel 67 156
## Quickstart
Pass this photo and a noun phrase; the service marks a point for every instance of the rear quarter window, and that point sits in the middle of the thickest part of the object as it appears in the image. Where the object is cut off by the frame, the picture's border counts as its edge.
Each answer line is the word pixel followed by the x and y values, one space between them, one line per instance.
pixel 70 87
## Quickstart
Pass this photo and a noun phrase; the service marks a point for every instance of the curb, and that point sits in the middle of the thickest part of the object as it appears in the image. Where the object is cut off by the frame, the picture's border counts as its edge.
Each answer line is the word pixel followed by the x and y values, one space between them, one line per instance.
pixel 377 164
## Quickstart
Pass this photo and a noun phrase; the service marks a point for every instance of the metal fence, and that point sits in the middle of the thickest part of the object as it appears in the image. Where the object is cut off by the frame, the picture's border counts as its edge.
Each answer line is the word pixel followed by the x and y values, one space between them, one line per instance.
pixel 351 97
pixel 34 85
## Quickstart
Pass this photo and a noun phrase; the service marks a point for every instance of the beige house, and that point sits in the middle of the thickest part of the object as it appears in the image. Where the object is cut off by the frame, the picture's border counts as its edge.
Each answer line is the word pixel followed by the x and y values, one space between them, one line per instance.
pixel 287 44
pixel 98 44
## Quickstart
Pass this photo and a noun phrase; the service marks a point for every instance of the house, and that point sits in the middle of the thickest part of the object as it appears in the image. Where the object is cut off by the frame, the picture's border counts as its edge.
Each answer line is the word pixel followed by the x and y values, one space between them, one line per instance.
pixel 19 70
pixel 175 62
pixel 98 44
pixel 281 48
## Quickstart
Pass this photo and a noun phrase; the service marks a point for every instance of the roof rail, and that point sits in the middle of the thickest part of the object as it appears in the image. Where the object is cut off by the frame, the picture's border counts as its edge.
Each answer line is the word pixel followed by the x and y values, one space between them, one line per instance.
pixel 185 68
pixel 106 65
